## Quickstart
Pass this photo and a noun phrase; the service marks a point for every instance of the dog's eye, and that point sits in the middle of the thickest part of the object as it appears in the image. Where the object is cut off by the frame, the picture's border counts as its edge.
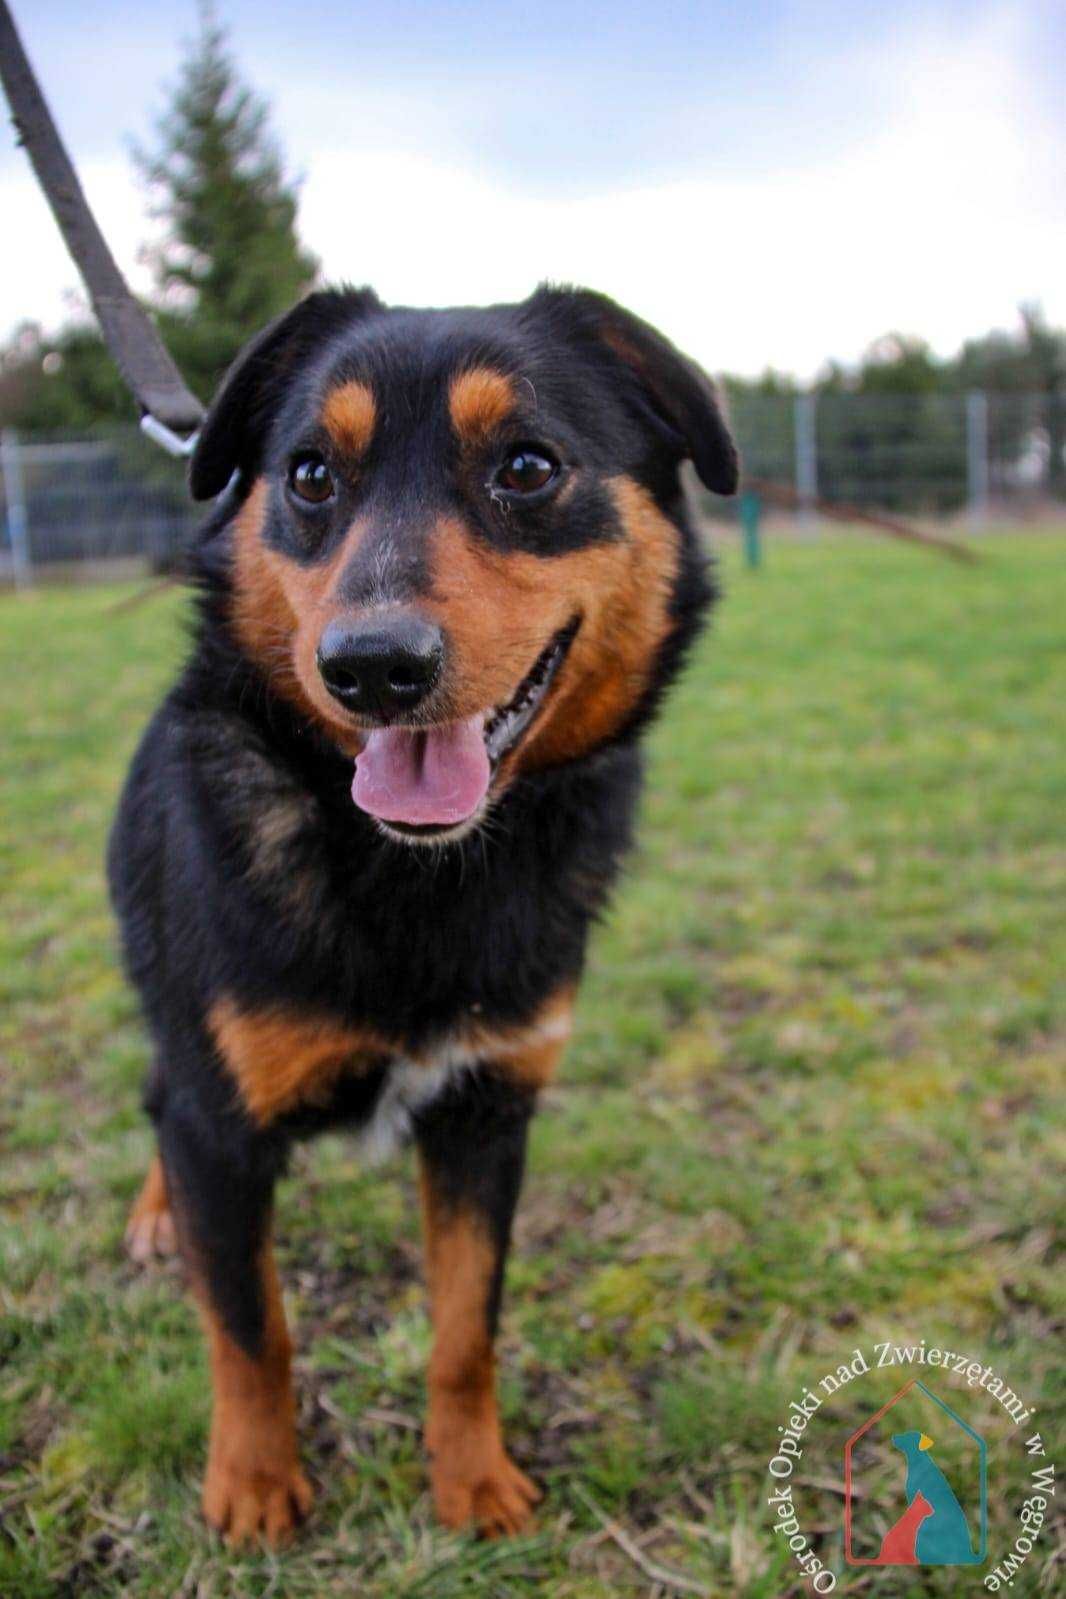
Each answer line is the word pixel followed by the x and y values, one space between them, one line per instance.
pixel 526 471
pixel 309 479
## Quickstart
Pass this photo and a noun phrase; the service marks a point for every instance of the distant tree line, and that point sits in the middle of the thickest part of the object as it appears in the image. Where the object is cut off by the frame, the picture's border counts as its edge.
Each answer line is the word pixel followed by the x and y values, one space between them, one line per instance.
pixel 230 259
pixel 898 420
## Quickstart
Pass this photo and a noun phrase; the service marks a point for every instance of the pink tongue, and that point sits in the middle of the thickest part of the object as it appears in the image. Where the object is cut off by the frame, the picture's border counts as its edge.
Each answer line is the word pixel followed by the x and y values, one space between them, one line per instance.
pixel 437 775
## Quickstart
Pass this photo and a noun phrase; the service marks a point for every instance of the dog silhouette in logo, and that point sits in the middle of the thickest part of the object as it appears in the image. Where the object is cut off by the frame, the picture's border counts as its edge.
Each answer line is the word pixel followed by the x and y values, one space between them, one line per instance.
pixel 932 1530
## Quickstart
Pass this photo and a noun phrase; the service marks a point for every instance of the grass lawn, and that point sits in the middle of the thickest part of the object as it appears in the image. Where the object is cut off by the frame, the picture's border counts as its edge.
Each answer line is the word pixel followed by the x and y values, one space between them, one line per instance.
pixel 811 1107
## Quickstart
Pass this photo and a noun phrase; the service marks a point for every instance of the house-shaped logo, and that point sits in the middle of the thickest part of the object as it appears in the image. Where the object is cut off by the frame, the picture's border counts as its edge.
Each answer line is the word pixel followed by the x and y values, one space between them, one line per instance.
pixel 915 1486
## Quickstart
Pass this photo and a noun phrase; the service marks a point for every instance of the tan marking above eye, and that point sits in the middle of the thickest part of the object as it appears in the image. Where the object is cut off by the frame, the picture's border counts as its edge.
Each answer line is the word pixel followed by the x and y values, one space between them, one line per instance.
pixel 479 401
pixel 350 416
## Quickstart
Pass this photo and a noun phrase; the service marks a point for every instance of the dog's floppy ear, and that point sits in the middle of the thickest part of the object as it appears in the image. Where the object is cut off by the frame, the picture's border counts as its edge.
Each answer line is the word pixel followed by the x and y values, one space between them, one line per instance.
pixel 232 434
pixel 678 393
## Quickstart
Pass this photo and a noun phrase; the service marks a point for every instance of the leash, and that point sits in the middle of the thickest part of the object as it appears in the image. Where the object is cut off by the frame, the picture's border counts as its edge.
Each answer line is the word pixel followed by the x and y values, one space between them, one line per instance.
pixel 170 414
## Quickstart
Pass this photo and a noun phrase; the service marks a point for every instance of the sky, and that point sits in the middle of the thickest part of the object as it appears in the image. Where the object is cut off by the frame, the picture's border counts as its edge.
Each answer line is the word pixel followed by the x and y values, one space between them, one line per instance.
pixel 771 184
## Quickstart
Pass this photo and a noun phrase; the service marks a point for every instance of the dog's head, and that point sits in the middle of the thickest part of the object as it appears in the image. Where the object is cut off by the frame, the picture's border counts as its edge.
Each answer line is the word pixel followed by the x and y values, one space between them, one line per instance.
pixel 459 546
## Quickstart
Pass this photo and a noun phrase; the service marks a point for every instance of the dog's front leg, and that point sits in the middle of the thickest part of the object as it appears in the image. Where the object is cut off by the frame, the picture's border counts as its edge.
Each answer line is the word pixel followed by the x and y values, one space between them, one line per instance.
pixel 221 1192
pixel 472 1148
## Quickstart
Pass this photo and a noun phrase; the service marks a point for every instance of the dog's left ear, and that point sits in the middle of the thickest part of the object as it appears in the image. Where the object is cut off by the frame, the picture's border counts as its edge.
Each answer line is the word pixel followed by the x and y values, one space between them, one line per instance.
pixel 231 438
pixel 679 394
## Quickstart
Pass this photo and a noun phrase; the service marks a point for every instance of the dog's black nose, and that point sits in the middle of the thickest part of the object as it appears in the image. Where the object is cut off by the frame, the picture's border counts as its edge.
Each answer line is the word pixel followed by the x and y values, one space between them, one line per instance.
pixel 381 668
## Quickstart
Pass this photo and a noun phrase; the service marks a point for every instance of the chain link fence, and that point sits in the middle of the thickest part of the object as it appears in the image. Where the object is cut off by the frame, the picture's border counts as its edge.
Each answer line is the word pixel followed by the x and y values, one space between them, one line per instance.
pixel 69 504
pixel 924 454
pixel 100 500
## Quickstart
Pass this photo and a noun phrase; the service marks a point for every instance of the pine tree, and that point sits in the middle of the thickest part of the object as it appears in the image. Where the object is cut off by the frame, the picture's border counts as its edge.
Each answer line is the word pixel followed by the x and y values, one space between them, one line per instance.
pixel 230 259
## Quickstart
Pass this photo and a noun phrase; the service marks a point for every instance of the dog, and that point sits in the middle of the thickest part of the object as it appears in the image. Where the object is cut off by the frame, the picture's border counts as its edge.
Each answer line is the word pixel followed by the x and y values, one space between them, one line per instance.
pixel 449 557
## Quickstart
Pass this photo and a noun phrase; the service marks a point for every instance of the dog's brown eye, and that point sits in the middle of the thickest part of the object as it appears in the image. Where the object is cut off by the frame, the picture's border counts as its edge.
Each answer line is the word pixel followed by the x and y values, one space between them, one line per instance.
pixel 309 479
pixel 525 471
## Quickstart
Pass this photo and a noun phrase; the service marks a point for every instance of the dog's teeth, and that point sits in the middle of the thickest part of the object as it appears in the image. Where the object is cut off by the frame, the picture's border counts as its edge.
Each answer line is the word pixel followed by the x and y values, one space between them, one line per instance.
pixel 507 722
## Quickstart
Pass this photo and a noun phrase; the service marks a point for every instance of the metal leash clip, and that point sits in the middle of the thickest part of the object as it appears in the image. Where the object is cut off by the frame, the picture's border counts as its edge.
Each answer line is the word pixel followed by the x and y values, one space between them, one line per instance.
pixel 166 438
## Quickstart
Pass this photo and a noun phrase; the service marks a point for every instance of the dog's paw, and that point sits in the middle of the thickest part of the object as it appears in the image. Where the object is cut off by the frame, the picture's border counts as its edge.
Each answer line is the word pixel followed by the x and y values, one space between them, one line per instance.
pixel 150 1229
pixel 496 1498
pixel 249 1506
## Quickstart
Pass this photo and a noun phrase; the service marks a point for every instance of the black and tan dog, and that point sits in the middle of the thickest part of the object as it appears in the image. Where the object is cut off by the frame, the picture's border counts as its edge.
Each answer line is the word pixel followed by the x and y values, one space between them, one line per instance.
pixel 450 549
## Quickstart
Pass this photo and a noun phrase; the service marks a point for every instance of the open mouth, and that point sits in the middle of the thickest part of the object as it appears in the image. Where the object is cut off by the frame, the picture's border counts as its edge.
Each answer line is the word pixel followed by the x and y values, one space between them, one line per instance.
pixel 505 726
pixel 425 783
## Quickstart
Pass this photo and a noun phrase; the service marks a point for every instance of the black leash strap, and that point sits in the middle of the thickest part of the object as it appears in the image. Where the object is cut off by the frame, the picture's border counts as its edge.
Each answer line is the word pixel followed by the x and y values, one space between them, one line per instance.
pixel 170 413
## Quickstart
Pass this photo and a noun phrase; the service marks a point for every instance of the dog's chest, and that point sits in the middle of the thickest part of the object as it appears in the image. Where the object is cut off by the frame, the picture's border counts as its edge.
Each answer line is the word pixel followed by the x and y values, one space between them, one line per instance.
pixel 408 1087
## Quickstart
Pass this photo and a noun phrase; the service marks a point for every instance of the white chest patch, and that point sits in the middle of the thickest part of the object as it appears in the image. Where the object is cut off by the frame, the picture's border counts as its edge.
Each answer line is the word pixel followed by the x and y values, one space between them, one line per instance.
pixel 412 1085
pixel 408 1089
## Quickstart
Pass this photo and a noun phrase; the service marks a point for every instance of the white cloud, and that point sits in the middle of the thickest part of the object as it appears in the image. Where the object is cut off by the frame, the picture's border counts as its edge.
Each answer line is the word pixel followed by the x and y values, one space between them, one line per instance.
pixel 939 225
pixel 40 282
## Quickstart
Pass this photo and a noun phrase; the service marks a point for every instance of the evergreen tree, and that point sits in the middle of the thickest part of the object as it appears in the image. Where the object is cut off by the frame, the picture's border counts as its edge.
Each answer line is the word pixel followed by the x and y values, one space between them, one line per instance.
pixel 230 259
pixel 67 382
pixel 903 445
pixel 1012 367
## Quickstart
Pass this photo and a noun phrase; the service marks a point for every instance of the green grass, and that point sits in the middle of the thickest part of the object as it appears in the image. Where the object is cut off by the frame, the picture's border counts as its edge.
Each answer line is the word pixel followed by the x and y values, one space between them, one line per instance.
pixel 811 1105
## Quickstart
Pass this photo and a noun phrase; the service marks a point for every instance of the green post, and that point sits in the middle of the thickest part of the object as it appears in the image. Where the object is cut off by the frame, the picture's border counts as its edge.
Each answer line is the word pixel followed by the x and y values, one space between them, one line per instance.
pixel 750 507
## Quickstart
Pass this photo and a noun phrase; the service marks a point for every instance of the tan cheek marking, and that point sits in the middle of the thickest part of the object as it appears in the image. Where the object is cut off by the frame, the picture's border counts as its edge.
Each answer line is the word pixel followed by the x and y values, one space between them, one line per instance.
pixel 262 617
pixel 281 1060
pixel 479 401
pixel 497 610
pixel 627 620
pixel 279 611
pixel 500 609
pixel 350 416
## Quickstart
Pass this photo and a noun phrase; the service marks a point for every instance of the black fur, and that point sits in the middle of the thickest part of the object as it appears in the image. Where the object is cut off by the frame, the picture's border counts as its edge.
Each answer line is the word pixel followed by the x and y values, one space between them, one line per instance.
pixel 331 917
pixel 473 1145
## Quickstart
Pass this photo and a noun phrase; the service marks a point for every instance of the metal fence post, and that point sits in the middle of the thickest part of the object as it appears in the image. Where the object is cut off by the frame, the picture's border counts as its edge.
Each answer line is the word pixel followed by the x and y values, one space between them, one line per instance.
pixel 806 433
pixel 18 532
pixel 977 455
pixel 750 506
